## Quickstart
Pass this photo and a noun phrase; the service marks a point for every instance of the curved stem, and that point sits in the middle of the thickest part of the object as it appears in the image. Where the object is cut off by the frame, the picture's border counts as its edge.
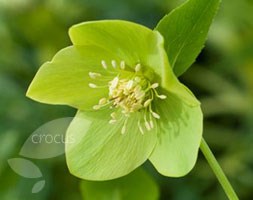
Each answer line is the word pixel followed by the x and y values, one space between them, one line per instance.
pixel 228 189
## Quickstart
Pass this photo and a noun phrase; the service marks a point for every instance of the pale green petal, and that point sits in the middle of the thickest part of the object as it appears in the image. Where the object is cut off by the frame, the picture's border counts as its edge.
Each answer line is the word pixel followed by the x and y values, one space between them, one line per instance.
pixel 180 132
pixel 97 150
pixel 184 94
pixel 65 80
pixel 131 42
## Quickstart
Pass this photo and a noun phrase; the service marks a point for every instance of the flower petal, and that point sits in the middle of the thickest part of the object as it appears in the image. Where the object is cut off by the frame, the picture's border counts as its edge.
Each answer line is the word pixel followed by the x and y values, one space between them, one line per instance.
pixel 97 150
pixel 132 42
pixel 179 137
pixel 65 80
pixel 184 94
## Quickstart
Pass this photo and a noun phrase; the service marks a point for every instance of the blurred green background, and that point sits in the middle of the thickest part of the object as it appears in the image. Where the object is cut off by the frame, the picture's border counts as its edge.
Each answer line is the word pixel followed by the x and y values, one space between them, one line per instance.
pixel 32 31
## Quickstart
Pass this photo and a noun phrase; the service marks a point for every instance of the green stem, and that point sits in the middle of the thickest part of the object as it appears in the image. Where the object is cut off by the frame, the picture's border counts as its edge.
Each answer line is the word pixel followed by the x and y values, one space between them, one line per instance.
pixel 228 189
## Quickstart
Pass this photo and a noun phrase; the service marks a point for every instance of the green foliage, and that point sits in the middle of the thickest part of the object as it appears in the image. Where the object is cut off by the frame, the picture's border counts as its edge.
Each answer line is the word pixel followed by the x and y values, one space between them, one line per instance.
pixel 135 186
pixel 185 30
pixel 33 31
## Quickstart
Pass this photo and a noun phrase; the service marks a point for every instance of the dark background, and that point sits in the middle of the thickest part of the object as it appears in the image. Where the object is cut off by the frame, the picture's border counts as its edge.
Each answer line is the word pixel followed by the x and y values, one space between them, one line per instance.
pixel 32 31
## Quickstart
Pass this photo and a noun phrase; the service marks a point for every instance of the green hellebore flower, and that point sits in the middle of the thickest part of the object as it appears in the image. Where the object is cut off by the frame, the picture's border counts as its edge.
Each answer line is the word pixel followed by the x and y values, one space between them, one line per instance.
pixel 131 105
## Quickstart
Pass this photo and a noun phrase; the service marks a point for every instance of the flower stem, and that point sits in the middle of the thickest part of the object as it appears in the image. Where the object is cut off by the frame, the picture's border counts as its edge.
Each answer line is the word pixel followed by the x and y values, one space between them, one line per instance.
pixel 228 189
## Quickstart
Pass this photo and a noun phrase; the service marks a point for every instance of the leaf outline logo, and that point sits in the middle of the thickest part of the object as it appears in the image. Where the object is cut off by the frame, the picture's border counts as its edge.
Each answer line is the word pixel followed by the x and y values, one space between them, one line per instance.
pixel 49 144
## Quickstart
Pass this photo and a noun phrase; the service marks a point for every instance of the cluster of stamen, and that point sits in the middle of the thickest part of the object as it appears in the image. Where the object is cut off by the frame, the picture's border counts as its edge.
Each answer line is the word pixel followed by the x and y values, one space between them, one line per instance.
pixel 128 95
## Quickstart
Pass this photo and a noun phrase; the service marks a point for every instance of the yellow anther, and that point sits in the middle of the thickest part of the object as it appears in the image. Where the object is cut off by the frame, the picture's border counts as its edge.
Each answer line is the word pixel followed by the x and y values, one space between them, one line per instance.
pixel 140 128
pixel 92 85
pixel 130 84
pixel 96 107
pixel 114 82
pixel 151 124
pixel 147 102
pixel 113 115
pixel 94 75
pixel 112 121
pixel 138 67
pixel 114 64
pixel 104 64
pixel 154 85
pixel 155 115
pixel 102 101
pixel 162 96
pixel 122 64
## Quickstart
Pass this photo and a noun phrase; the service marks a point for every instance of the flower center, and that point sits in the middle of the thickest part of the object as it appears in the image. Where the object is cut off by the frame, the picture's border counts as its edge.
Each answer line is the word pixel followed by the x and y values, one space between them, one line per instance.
pixel 128 94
